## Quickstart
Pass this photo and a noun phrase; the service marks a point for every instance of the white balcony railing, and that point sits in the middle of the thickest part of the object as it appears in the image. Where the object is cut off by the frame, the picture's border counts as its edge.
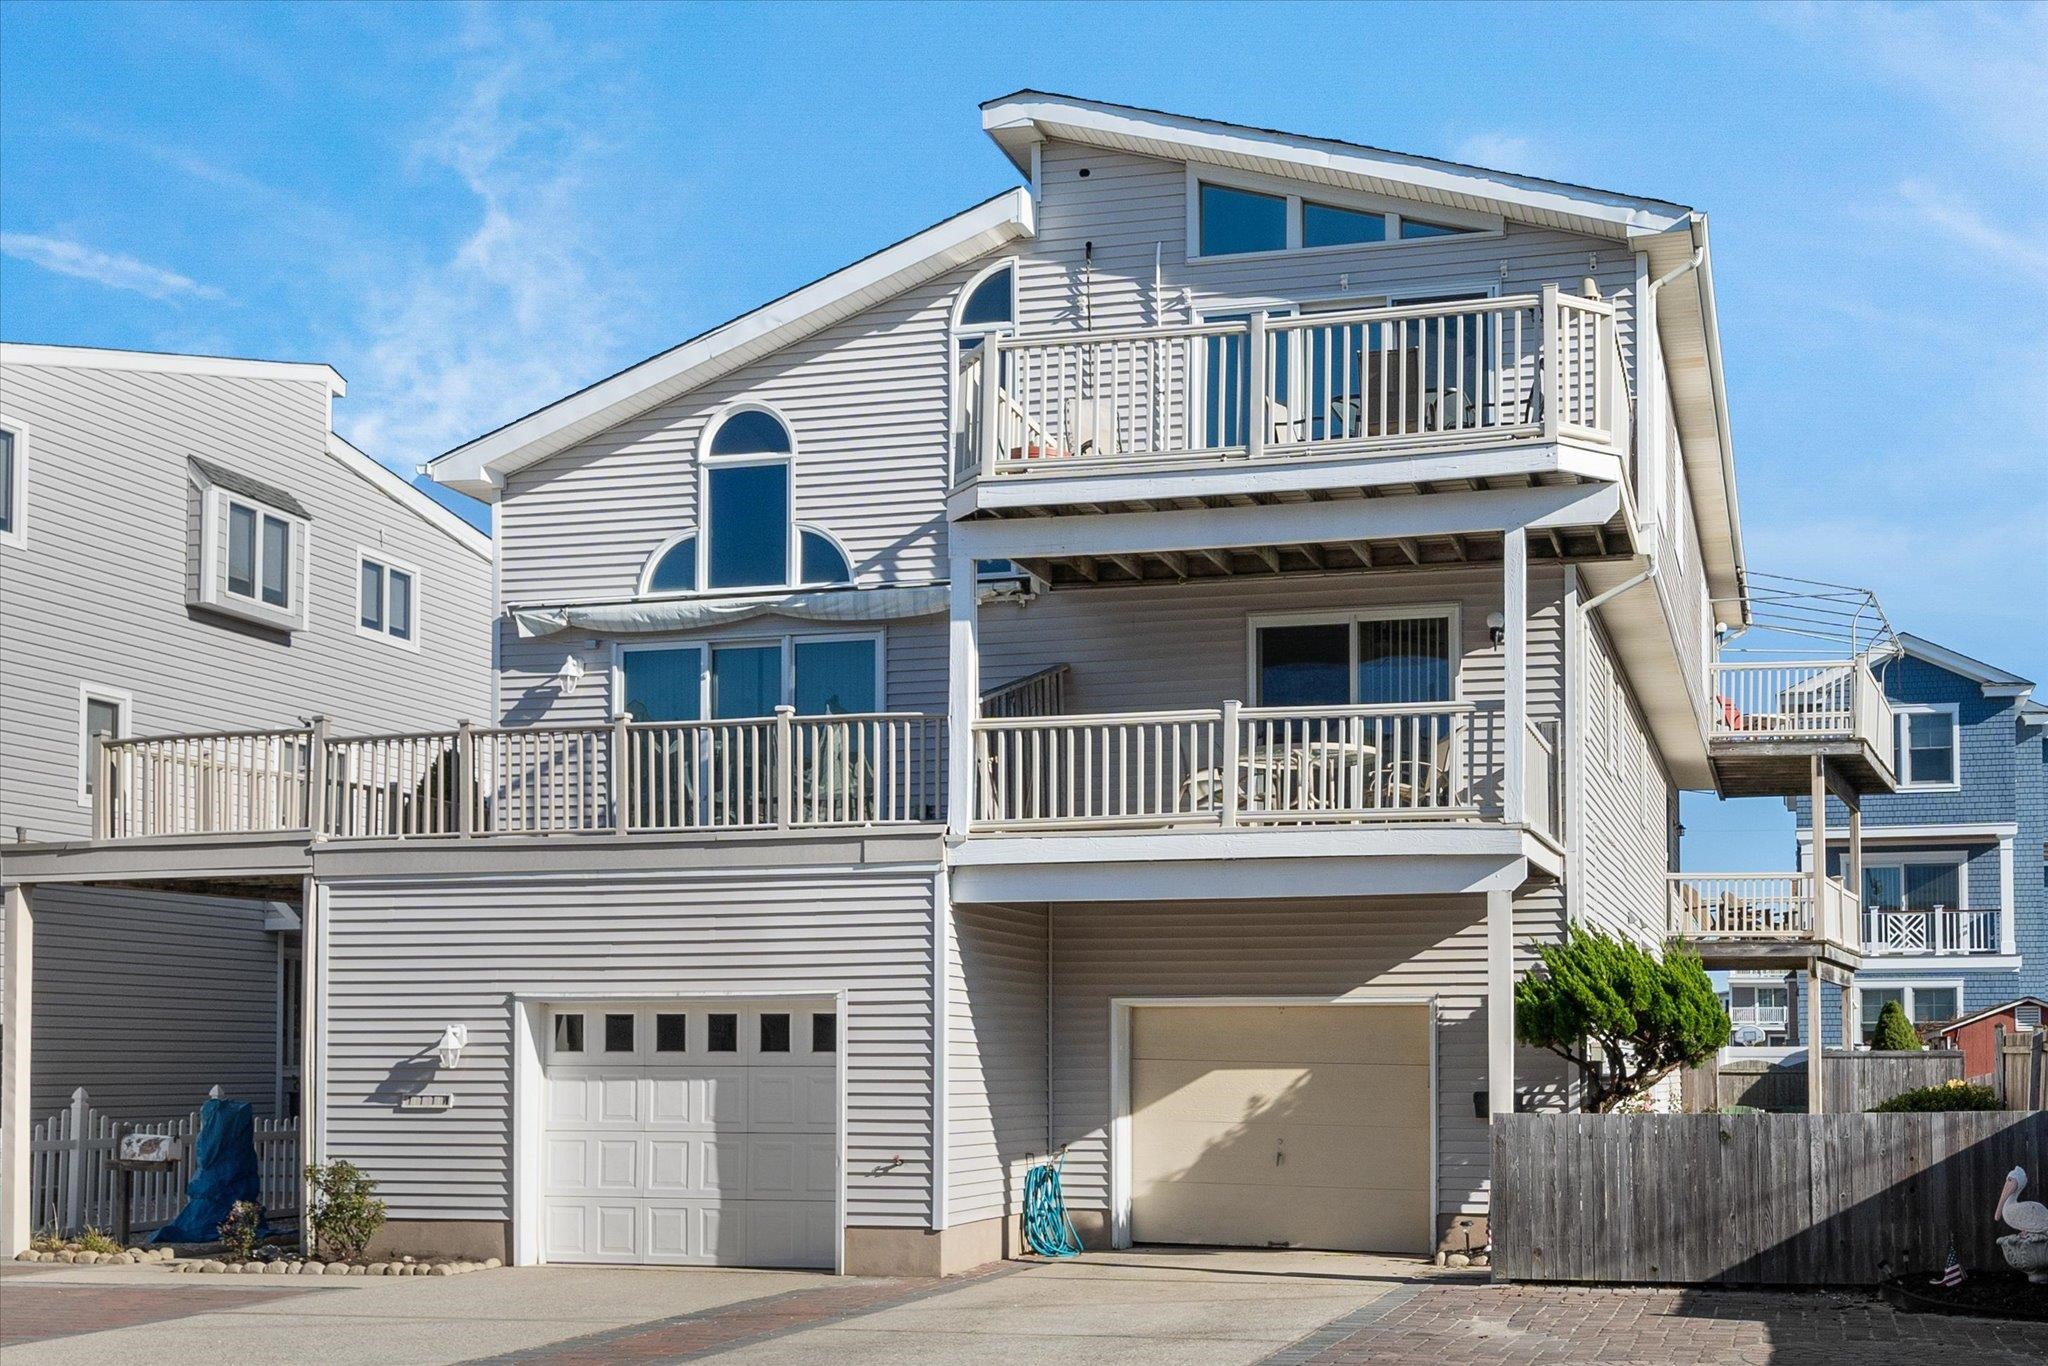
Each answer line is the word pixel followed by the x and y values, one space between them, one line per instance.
pixel 1761 906
pixel 1937 931
pixel 782 771
pixel 1228 766
pixel 1807 700
pixel 1413 377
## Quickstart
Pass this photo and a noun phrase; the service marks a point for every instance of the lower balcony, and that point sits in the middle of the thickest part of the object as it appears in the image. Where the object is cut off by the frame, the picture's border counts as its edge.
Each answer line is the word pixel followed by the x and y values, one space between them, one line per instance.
pixel 1765 920
pixel 1940 932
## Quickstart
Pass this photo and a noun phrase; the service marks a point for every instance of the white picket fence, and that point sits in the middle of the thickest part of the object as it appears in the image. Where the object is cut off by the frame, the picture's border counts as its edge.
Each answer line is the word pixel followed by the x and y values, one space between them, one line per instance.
pixel 73 1182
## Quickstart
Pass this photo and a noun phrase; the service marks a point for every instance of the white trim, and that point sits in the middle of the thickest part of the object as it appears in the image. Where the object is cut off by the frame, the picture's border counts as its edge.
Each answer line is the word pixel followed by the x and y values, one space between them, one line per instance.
pixel 1033 114
pixel 213 592
pixel 955 330
pixel 1908 985
pixel 171 363
pixel 1939 962
pixel 1120 1008
pixel 1901 746
pixel 531 1039
pixel 2000 1008
pixel 1994 681
pixel 481 466
pixel 1296 196
pixel 125 726
pixel 1975 834
pixel 399 490
pixel 388 564
pixel 942 1063
pixel 17 496
pixel 642 585
pixel 1450 612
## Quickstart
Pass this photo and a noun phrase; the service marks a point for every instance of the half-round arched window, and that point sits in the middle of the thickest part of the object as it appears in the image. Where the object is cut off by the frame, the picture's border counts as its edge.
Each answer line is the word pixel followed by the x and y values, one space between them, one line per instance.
pixel 750 431
pixel 991 300
pixel 822 560
pixel 674 567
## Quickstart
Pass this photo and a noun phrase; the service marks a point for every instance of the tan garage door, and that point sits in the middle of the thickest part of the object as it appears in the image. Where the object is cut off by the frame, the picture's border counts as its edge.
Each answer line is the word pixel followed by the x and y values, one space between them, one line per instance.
pixel 1297 1126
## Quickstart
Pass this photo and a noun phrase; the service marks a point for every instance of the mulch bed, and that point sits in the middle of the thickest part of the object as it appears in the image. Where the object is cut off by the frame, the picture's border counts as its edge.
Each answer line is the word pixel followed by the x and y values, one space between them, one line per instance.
pixel 1987 1295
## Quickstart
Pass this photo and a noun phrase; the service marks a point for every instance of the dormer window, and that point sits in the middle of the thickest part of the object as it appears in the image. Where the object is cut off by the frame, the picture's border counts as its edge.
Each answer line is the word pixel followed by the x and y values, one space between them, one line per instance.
pixel 747 537
pixel 249 555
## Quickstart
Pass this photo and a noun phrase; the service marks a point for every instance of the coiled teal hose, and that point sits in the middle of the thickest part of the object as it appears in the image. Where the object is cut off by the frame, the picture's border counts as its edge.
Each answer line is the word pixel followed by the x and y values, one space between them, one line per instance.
pixel 1047 1230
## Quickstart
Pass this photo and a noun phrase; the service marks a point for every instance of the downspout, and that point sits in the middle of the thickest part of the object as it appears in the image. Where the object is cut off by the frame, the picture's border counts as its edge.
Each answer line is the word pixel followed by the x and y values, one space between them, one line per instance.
pixel 1600 599
pixel 1699 255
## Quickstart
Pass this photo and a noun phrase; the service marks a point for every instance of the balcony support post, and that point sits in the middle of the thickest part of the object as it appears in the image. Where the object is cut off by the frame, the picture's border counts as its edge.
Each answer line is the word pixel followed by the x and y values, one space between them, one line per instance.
pixel 1231 797
pixel 1515 611
pixel 1257 389
pixel 963 704
pixel 465 778
pixel 1816 1091
pixel 785 767
pixel 990 399
pixel 618 772
pixel 1500 1003
pixel 2007 942
pixel 15 1119
pixel 316 778
pixel 1553 364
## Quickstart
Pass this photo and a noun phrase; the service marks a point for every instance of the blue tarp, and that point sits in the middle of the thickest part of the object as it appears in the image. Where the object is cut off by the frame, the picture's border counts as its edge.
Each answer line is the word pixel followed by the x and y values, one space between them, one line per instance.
pixel 224 1171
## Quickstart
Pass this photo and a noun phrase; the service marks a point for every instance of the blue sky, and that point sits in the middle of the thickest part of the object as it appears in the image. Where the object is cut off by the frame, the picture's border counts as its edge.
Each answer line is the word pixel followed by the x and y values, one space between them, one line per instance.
pixel 470 210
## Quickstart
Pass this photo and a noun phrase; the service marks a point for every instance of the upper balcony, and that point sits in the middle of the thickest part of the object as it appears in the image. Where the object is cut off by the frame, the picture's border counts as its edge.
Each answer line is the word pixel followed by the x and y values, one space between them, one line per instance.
pixel 1478 393
pixel 1775 921
pixel 1770 720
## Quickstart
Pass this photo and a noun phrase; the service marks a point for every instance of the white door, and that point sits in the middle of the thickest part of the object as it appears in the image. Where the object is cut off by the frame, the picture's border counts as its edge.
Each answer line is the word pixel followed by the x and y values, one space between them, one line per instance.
pixel 691 1133
pixel 1289 1126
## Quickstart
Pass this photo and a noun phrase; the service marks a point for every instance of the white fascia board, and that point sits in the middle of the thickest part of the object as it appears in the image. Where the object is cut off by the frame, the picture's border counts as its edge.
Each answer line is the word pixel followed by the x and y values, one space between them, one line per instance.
pixel 1017 121
pixel 171 363
pixel 1996 682
pixel 1433 514
pixel 480 467
pixel 394 486
pixel 1915 834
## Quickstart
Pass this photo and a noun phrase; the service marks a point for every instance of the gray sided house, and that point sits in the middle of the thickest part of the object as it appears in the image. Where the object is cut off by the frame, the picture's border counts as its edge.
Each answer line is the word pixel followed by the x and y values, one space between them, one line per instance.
pixel 1955 862
pixel 1131 671
pixel 189 548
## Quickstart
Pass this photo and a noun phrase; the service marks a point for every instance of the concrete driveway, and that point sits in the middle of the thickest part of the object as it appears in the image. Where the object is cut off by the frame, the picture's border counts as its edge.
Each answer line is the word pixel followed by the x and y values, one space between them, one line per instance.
pixel 1179 1306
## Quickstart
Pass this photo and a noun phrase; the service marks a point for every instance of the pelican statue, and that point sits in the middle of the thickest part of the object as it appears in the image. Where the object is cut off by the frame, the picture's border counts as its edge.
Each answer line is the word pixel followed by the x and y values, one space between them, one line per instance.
pixel 2027 1250
pixel 2028 1216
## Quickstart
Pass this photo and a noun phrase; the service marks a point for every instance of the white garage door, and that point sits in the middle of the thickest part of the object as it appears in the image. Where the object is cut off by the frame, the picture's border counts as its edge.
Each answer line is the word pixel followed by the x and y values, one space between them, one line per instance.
pixel 691 1133
pixel 1297 1126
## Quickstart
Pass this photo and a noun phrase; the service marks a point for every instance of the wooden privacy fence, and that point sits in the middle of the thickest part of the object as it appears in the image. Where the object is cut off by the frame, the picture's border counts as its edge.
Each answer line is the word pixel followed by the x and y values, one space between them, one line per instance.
pixel 1751 1199
pixel 73 1182
pixel 2022 1073
pixel 1855 1080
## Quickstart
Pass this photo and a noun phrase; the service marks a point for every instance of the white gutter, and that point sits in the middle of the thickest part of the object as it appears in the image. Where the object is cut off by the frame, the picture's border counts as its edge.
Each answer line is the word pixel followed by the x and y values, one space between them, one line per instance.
pixel 1699 255
pixel 1600 599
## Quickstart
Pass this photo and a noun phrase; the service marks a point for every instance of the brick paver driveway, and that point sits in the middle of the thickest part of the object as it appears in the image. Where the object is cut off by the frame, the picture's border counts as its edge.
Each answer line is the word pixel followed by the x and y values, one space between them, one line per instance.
pixel 1164 1306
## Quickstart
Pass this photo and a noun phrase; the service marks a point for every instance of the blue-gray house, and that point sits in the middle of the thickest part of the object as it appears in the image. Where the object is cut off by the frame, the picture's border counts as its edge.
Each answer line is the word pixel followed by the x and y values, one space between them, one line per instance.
pixel 1955 863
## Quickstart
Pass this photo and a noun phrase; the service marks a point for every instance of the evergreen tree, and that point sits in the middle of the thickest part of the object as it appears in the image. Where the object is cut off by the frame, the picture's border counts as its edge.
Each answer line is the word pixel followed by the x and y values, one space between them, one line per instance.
pixel 1894 1031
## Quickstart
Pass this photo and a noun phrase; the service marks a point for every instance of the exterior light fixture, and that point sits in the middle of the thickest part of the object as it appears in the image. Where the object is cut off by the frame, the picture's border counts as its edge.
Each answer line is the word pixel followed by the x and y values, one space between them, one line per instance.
pixel 454 1039
pixel 1497 627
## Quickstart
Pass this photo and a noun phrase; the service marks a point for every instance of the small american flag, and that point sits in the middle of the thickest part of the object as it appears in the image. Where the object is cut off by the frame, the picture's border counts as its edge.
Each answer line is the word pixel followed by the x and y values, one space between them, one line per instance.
pixel 1952 1273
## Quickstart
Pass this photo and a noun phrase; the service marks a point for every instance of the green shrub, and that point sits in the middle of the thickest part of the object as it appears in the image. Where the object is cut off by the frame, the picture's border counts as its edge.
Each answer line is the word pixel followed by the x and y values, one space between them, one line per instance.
pixel 1949 1095
pixel 238 1231
pixel 344 1216
pixel 95 1240
pixel 1619 1014
pixel 1894 1031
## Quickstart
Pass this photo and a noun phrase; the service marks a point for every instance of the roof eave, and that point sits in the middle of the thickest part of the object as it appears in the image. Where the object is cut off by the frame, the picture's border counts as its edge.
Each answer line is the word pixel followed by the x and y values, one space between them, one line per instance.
pixel 480 467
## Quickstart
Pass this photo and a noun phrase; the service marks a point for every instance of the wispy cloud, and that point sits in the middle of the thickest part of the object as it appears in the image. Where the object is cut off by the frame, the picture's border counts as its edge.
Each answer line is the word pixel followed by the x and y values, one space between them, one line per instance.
pixel 521 310
pixel 2001 247
pixel 1499 150
pixel 108 268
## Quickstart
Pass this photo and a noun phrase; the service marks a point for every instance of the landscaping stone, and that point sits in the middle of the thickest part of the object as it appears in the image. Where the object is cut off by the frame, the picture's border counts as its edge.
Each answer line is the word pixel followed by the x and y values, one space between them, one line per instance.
pixel 276 1268
pixel 1457 1259
pixel 442 1270
pixel 492 1264
pixel 313 1269
pixel 377 1269
pixel 213 1268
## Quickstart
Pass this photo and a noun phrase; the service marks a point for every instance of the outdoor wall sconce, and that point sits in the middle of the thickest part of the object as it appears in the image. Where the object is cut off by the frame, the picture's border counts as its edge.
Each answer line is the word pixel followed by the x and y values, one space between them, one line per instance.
pixel 454 1039
pixel 1496 627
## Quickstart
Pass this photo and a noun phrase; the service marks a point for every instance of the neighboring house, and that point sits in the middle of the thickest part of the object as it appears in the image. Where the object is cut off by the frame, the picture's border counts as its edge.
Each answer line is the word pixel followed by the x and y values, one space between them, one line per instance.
pixel 1954 895
pixel 1977 1034
pixel 187 547
pixel 1133 670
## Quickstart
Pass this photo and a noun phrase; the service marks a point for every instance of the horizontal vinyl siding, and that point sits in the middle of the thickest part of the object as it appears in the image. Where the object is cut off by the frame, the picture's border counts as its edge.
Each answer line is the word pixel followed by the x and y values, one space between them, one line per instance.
pixel 148 1000
pixel 98 595
pixel 1421 947
pixel 1625 810
pixel 996 1058
pixel 413 953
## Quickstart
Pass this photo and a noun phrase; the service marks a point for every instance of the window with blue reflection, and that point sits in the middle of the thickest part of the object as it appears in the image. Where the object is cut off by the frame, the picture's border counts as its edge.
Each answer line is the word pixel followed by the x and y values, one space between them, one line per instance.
pixel 751 432
pixel 1413 228
pixel 989 303
pixel 1325 225
pixel 746 680
pixel 1404 659
pixel 835 678
pixel 748 525
pixel 664 685
pixel 823 562
pixel 1238 221
pixel 676 570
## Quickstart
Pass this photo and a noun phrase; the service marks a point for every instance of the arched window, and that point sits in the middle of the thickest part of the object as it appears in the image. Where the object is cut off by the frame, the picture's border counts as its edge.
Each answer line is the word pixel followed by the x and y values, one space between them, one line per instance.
pixel 750 431
pixel 744 501
pixel 674 568
pixel 822 560
pixel 988 303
